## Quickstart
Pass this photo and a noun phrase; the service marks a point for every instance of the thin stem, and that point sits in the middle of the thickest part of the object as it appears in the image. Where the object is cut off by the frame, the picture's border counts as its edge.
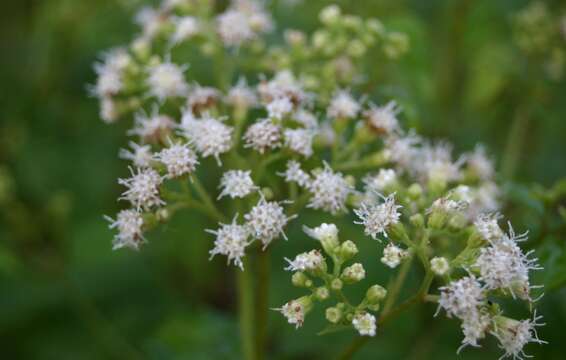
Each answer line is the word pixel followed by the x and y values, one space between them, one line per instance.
pixel 262 302
pixel 354 346
pixel 246 311
pixel 395 287
pixel 207 202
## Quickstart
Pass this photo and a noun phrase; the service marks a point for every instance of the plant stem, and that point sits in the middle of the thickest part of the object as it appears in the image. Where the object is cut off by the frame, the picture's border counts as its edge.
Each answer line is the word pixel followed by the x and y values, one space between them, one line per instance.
pixel 207 202
pixel 395 287
pixel 354 346
pixel 246 311
pixel 515 140
pixel 262 302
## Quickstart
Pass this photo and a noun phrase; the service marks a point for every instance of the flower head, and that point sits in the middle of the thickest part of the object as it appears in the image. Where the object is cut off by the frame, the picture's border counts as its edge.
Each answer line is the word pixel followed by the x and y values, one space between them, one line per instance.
pixel 299 140
pixel 143 188
pixel 294 173
pixel 166 80
pixel 210 137
pixel 266 221
pixel 152 128
pixel 376 218
pixel 513 335
pixel 179 159
pixel 462 298
pixel 231 241
pixel 329 191
pixel 130 233
pixel 140 155
pixel 263 135
pixel 383 119
pixel 343 106
pixel 236 184
pixel 308 261
pixel 296 310
pixel 365 324
pixel 393 255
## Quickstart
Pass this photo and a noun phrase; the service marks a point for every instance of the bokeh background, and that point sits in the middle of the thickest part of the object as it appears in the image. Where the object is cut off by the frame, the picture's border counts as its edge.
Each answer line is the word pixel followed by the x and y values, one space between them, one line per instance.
pixel 65 295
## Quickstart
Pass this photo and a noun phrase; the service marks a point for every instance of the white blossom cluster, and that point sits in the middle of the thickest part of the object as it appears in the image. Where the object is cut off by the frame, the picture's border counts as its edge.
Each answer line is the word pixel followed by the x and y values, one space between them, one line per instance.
pixel 270 146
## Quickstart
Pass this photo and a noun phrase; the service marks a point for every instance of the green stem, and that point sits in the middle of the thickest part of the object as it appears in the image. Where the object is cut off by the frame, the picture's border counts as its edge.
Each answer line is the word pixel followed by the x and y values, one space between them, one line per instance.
pixel 246 311
pixel 207 203
pixel 262 302
pixel 395 287
pixel 514 145
pixel 354 346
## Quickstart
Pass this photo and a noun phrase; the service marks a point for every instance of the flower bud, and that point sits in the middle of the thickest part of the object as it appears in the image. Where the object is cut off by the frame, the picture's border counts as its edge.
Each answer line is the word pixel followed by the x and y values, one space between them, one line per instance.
pixel 327 234
pixel 299 279
pixel 415 191
pixel 336 284
pixel 375 294
pixel 330 14
pixel 322 293
pixel 334 314
pixel 439 266
pixel 353 273
pixel 347 250
pixel 417 220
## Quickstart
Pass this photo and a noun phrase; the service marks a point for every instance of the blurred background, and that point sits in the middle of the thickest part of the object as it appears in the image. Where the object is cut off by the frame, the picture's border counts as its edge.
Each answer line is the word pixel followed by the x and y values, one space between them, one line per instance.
pixel 475 73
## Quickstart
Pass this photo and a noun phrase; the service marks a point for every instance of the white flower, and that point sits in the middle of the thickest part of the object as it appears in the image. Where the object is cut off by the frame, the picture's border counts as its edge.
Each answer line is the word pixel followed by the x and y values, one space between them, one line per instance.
pixel 480 164
pixel 140 155
pixel 152 128
pixel 462 298
pixel 403 150
pixel 150 20
pixel 504 266
pixel 241 95
pixel 343 106
pixel 283 84
pixel 185 28
pixel 379 182
pixel 263 135
pixel 299 140
pixel 108 110
pixel 329 191
pixel 474 328
pixel 266 221
pixel 178 158
pixel 236 184
pixel 295 311
pixel 365 324
pixel 231 241
pixel 209 136
pixel 294 173
pixel 201 98
pixel 383 119
pixel 279 107
pixel 166 80
pixel 306 118
pixel 130 233
pixel 487 226
pixel 513 335
pixel 143 189
pixel 434 163
pixel 376 218
pixel 392 255
pixel 439 266
pixel 307 261
pixel 109 81
pixel 234 27
pixel 353 273
pixel 323 233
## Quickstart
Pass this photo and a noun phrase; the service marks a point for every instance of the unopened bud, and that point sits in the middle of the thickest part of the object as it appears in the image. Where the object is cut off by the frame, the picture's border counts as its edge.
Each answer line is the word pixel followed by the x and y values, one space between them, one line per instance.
pixel 334 314
pixel 353 273
pixel 299 279
pixel 375 294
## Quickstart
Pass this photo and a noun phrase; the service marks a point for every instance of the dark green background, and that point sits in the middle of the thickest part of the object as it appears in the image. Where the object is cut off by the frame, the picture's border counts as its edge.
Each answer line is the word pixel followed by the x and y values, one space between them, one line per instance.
pixel 65 295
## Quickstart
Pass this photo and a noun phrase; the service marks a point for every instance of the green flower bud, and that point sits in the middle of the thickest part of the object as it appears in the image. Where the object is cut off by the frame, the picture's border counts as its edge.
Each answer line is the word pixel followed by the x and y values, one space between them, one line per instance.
pixel 440 266
pixel 334 314
pixel 267 193
pixel 347 250
pixel 417 220
pixel 336 284
pixel 375 294
pixel 299 279
pixel 415 191
pixel 321 293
